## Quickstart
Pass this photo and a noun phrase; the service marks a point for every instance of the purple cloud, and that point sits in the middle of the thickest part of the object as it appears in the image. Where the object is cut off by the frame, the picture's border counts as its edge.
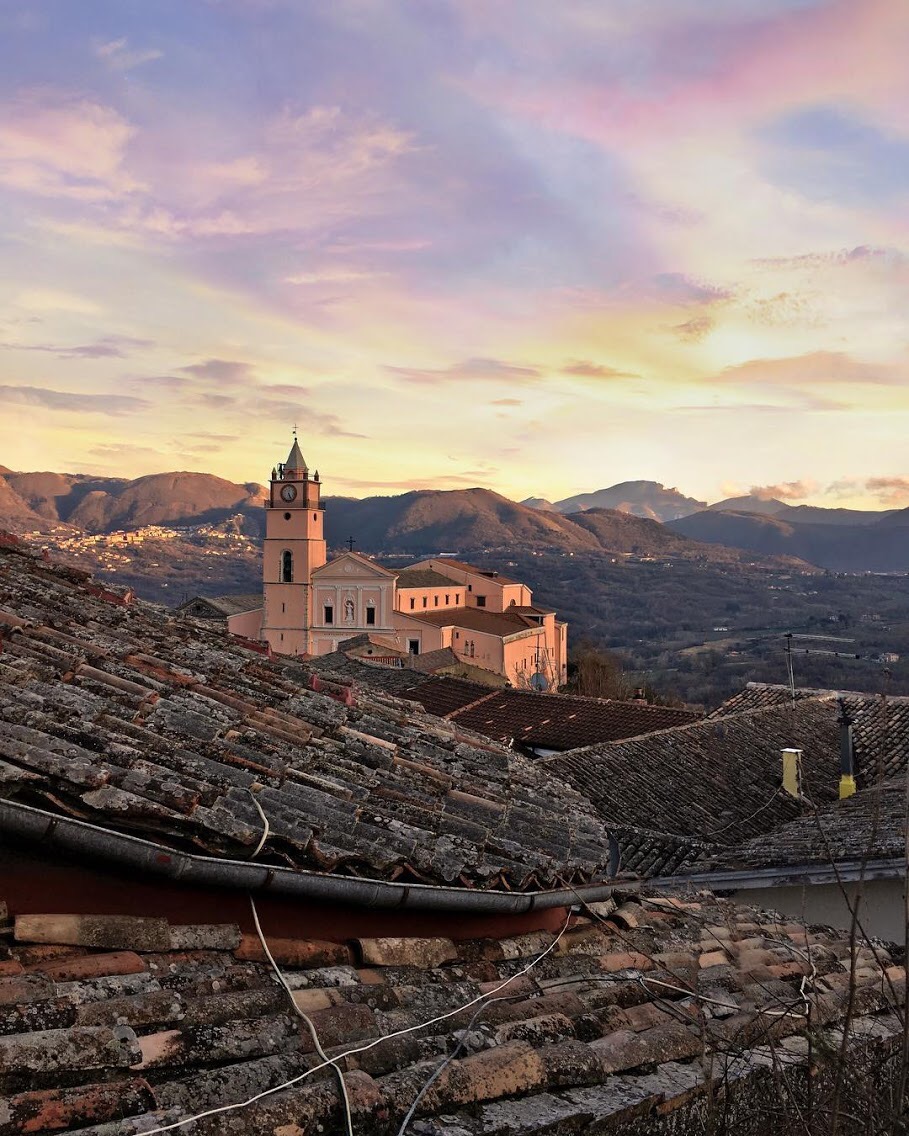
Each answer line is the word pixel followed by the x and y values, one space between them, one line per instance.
pixel 49 399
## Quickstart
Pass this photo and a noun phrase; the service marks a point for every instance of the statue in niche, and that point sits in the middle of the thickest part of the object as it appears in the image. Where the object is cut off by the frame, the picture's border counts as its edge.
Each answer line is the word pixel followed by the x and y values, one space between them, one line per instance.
pixel 348 610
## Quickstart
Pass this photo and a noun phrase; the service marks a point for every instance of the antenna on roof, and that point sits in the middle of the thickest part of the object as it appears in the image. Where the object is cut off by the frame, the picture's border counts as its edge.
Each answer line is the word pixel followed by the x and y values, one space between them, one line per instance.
pixel 789 648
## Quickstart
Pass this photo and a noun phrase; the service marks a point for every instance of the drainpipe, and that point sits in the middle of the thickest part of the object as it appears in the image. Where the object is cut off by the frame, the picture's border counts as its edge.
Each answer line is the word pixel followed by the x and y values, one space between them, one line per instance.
pixel 847 755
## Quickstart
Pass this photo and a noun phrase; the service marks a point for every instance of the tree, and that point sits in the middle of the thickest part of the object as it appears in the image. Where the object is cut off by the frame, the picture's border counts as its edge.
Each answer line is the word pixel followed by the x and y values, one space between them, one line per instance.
pixel 596 673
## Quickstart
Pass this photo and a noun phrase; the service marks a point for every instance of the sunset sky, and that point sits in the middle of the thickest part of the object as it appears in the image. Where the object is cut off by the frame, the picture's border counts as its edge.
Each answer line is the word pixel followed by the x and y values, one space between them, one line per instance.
pixel 541 246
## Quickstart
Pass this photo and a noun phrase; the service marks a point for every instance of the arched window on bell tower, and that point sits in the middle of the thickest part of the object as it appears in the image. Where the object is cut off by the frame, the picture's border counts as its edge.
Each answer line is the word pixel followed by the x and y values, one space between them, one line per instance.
pixel 287 567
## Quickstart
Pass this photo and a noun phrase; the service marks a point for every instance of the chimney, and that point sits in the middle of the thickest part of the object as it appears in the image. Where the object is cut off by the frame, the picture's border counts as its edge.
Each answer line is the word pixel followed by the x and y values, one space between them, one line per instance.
pixel 792 772
pixel 847 755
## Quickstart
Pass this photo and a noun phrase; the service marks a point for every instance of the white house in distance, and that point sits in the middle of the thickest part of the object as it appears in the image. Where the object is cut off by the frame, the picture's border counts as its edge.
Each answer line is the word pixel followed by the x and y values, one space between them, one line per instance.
pixel 310 603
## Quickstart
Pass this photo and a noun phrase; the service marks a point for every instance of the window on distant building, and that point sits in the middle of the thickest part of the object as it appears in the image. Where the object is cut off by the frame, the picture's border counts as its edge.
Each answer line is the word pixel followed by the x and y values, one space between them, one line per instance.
pixel 447 599
pixel 329 614
pixel 425 601
pixel 436 601
pixel 287 567
pixel 413 646
pixel 413 603
pixel 457 597
pixel 481 601
pixel 470 587
pixel 370 615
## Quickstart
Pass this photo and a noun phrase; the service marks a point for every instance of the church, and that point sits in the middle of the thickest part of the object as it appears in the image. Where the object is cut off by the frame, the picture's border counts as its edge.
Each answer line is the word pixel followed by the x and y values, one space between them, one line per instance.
pixel 310 604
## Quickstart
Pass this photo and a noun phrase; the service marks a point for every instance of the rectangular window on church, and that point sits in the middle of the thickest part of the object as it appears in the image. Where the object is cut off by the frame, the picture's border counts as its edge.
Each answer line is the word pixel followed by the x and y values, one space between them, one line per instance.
pixel 413 603
pixel 436 598
pixel 329 614
pixel 457 597
pixel 447 598
pixel 413 646
pixel 370 616
pixel 425 601
pixel 481 601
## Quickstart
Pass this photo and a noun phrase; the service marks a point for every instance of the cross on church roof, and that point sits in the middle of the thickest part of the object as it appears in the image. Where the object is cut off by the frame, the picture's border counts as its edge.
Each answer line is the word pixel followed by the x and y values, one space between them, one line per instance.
pixel 350 542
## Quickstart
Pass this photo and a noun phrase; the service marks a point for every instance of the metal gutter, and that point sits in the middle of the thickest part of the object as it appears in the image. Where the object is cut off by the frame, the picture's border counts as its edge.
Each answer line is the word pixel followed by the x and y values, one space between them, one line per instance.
pixel 77 837
pixel 847 871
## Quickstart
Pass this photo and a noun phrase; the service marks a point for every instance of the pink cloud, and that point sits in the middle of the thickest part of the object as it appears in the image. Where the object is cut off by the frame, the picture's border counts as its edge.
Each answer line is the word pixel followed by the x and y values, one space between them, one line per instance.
pixel 304 172
pixel 817 368
pixel 56 146
pixel 745 71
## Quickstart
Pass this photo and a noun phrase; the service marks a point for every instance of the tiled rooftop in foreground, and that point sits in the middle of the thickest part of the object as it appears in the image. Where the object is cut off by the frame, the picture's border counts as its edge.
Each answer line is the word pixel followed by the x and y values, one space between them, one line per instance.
pixel 120 717
pixel 646 1016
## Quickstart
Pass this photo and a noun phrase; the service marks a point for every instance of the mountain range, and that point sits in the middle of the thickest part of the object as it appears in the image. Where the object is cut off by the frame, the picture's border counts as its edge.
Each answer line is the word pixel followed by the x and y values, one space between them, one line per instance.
pixel 419 522
pixel 640 518
pixel 103 504
pixel 880 544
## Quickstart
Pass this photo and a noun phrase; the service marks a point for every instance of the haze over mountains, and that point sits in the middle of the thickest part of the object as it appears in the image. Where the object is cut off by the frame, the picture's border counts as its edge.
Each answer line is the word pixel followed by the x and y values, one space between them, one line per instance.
pixel 640 518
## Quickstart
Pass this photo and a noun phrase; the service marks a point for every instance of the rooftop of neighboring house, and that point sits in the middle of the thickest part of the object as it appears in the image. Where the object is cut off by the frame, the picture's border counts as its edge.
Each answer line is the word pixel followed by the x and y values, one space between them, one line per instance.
pixel 225 605
pixel 387 652
pixel 757 695
pixel 638 1014
pixel 119 719
pixel 499 623
pixel 867 828
pixel 459 565
pixel 564 721
pixel 718 781
pixel 422 578
pixel 536 720
pixel 880 725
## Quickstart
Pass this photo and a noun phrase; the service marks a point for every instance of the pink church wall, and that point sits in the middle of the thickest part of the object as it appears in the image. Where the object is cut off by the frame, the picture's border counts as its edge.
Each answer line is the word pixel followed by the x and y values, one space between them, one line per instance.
pixel 248 624
pixel 499 594
pixel 412 599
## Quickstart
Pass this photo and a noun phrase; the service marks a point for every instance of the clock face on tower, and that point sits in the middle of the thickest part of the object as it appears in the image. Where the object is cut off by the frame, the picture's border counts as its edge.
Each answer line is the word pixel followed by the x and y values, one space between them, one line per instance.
pixel 288 492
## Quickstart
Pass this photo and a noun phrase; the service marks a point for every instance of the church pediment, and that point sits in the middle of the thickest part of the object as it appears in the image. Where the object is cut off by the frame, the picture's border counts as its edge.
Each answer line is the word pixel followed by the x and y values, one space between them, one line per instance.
pixel 351 566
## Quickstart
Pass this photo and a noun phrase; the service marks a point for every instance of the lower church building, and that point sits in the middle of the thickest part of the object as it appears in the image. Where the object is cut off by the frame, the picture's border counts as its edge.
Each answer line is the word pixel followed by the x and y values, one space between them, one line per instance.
pixel 310 604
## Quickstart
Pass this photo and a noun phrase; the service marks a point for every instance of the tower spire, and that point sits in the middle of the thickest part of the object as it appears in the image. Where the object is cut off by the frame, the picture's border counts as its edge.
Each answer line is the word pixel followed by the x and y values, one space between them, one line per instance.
pixel 296 463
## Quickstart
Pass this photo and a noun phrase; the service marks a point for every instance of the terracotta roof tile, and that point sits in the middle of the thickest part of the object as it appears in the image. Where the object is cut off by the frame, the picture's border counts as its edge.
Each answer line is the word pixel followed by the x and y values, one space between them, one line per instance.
pixel 351 782
pixel 580 1036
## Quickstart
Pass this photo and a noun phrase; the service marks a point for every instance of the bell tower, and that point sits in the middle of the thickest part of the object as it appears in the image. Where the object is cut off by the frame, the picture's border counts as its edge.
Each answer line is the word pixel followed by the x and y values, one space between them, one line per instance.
pixel 294 546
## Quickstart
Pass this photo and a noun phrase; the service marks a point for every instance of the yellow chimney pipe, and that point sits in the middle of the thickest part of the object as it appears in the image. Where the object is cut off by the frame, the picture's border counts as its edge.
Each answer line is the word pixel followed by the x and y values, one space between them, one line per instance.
pixel 847 786
pixel 792 772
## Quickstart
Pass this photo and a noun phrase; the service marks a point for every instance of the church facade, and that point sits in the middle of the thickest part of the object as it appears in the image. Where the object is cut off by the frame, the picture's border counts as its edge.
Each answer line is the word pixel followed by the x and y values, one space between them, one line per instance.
pixel 310 604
